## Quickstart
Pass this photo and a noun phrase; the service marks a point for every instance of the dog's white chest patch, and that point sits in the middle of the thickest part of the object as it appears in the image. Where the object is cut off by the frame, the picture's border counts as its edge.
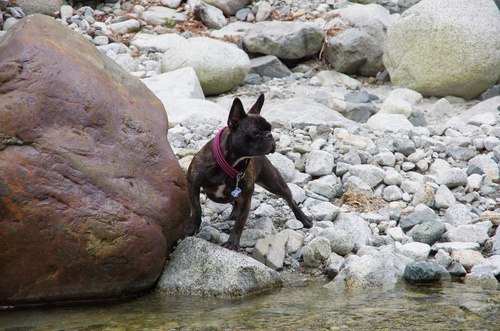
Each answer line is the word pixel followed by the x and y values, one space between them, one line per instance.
pixel 220 191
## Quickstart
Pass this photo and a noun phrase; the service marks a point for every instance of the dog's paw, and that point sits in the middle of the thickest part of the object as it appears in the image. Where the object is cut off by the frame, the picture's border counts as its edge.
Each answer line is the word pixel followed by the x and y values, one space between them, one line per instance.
pixel 190 230
pixel 307 223
pixel 230 244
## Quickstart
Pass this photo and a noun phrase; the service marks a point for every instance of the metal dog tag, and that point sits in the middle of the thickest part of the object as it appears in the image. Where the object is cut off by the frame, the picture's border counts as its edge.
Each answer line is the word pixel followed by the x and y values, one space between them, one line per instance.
pixel 236 192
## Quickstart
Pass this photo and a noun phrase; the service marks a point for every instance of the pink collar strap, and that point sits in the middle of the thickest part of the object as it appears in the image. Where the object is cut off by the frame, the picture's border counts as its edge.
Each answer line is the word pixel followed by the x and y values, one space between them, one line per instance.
pixel 221 161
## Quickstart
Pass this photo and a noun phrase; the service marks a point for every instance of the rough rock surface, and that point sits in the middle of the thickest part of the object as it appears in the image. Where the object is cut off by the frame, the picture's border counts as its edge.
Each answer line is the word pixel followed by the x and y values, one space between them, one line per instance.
pixel 219 66
pixel 229 7
pixel 445 47
pixel 286 40
pixel 91 197
pixel 357 50
pixel 374 269
pixel 47 7
pixel 197 266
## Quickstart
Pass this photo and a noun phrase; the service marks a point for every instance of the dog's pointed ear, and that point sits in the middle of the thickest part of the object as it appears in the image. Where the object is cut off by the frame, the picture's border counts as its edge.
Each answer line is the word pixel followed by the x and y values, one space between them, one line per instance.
pixel 258 105
pixel 236 114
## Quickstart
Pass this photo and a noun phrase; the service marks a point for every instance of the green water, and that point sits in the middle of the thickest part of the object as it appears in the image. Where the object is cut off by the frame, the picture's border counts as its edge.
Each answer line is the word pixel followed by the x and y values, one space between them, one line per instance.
pixel 309 306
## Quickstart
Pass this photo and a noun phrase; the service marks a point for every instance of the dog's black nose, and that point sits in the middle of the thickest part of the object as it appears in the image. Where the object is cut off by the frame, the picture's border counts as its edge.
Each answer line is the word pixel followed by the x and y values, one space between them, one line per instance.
pixel 268 135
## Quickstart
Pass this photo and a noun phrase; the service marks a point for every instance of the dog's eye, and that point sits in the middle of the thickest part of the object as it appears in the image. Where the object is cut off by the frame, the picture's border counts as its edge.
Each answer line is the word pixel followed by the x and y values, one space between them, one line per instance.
pixel 255 132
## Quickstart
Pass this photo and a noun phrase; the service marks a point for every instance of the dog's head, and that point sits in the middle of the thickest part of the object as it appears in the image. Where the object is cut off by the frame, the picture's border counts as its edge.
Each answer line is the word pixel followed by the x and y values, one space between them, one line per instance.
pixel 250 133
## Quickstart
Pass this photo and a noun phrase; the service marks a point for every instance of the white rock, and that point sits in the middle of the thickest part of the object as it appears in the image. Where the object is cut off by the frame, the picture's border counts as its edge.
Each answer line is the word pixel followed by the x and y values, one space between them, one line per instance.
pixel 101 40
pixel 416 251
pixel 443 258
pixel 298 193
pixel 385 159
pixel 235 29
pixel 161 15
pixel 294 241
pixel 294 224
pixel 284 165
pixel 324 211
pixel 451 247
pixel 319 163
pixel 124 27
pixel 405 94
pixel 388 122
pixel 392 177
pixel 441 108
pixel 178 84
pixel 334 78
pixel 357 228
pixel 467 233
pixel 487 165
pixel 316 252
pixel 340 241
pixel 444 198
pixel 147 42
pixel 324 186
pixel 480 119
pixel 358 14
pixel 475 181
pixel 186 111
pixel 66 12
pixel 291 113
pixel 264 11
pixel 229 7
pixel 265 210
pixel 219 66
pixel 452 178
pixel 457 215
pixel 212 17
pixel 370 174
pixel 396 233
pixel 491 142
pixel 171 3
pixel 374 269
pixel 487 269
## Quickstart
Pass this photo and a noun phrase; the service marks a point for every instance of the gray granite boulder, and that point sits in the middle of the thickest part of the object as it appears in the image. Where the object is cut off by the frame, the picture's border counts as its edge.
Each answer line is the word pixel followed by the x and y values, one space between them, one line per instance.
pixel 286 40
pixel 198 267
pixel 357 50
pixel 447 47
pixel 373 269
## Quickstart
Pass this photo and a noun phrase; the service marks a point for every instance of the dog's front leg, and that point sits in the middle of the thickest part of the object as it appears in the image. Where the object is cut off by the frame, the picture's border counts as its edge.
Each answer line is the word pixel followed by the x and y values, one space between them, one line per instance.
pixel 194 198
pixel 241 209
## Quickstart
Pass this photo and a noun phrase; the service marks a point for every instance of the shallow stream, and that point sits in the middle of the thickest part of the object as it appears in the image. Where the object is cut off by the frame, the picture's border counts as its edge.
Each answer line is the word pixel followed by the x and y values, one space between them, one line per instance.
pixel 305 306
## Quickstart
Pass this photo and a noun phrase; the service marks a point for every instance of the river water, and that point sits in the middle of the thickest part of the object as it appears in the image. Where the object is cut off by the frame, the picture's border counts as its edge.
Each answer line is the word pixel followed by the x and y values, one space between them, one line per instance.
pixel 303 306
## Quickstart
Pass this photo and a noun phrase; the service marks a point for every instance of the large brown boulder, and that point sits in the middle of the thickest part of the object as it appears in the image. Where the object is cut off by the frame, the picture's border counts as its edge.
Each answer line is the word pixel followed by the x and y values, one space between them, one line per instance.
pixel 92 198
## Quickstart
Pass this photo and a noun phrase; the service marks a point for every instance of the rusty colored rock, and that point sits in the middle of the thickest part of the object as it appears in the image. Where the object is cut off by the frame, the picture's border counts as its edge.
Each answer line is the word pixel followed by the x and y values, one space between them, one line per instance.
pixel 92 198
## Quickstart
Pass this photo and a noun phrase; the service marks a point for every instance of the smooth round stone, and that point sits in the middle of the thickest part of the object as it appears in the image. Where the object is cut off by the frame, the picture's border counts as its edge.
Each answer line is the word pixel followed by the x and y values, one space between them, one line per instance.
pixel 423 272
pixel 428 232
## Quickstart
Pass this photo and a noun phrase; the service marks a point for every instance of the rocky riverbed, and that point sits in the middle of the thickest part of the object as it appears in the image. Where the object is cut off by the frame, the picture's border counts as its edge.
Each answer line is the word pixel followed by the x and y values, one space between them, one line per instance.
pixel 398 183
